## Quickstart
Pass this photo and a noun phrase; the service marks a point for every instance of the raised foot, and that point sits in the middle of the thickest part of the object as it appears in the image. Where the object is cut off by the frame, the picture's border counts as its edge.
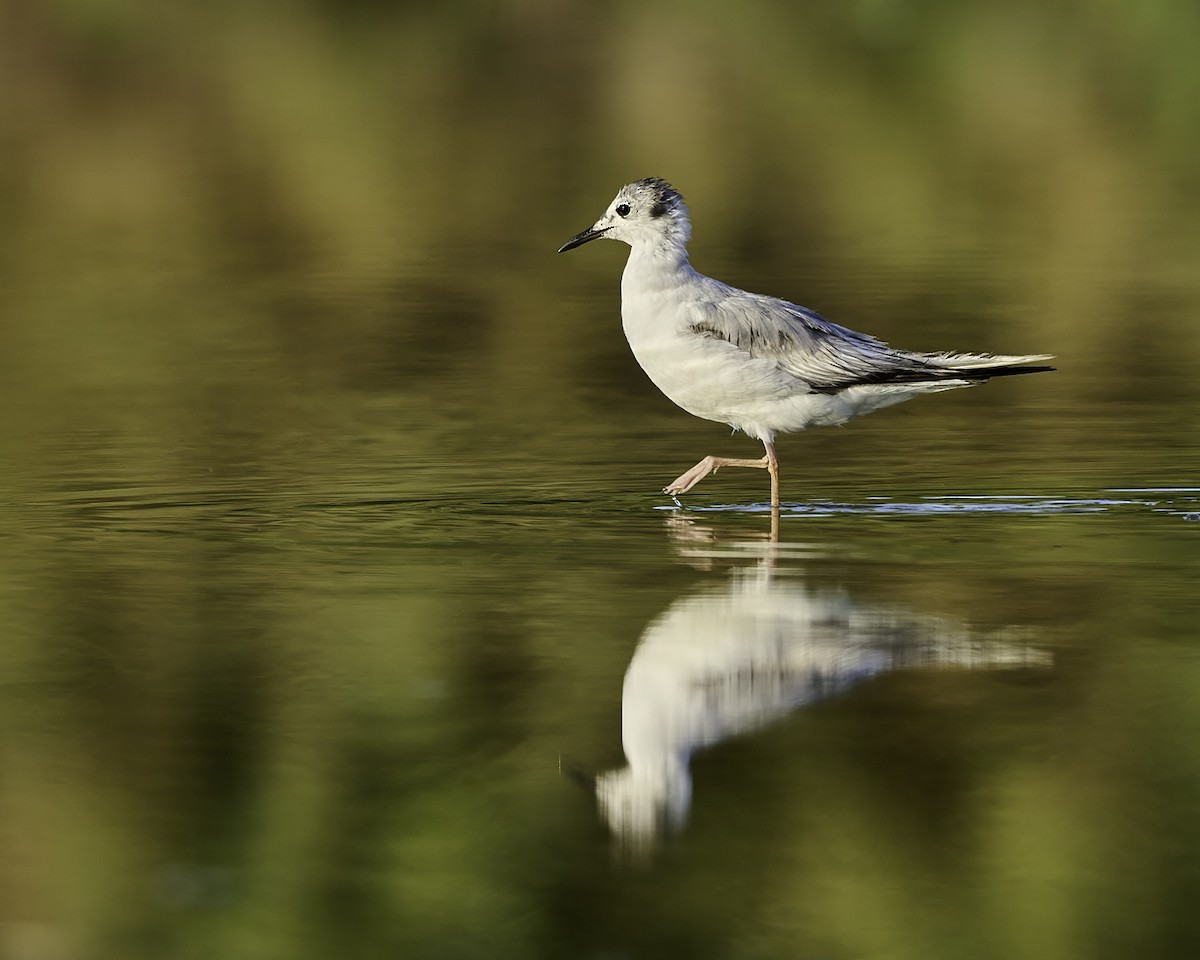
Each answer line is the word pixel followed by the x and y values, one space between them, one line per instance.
pixel 684 482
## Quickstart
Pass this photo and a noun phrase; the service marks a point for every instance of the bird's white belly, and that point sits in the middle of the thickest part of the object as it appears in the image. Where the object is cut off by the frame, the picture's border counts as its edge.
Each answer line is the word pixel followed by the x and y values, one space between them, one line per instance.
pixel 713 379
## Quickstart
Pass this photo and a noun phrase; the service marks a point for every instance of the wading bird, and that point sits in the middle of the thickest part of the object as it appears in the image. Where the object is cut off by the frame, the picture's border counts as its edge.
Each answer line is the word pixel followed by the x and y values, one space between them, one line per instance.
pixel 762 365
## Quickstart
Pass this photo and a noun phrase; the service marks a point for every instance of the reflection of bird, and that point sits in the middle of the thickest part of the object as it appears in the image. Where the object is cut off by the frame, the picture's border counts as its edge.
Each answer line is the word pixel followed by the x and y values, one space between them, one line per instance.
pixel 764 366
pixel 726 662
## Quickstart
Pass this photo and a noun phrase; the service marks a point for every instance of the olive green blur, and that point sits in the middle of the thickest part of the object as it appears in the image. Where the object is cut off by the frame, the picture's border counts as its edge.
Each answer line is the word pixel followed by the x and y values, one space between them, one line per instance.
pixel 329 510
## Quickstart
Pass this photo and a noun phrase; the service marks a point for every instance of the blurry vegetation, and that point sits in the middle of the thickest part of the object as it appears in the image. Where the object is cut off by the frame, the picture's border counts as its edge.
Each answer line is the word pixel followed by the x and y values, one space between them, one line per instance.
pixel 281 325
pixel 317 190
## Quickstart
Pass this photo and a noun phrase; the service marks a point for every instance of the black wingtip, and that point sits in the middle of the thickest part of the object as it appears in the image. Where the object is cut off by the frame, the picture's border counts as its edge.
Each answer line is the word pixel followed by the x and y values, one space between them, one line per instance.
pixel 988 373
pixel 935 374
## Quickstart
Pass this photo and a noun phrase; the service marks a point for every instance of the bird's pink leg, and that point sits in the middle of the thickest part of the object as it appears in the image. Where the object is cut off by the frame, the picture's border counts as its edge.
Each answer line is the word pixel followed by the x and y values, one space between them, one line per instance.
pixel 685 482
pixel 773 469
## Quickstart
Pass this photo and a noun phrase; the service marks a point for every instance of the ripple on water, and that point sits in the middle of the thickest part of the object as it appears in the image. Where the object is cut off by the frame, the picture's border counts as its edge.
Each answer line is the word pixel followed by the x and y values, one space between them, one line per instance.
pixel 1182 502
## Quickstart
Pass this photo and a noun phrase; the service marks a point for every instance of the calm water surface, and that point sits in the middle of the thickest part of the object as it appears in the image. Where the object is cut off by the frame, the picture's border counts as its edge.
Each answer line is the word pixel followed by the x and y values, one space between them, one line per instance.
pixel 341 615
pixel 326 670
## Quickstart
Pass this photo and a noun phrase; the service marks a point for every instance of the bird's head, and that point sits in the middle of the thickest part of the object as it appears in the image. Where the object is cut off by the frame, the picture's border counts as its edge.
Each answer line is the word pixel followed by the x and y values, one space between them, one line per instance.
pixel 646 211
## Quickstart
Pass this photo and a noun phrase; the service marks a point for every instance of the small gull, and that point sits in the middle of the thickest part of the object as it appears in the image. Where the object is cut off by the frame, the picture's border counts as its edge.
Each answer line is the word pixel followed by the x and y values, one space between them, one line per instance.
pixel 762 365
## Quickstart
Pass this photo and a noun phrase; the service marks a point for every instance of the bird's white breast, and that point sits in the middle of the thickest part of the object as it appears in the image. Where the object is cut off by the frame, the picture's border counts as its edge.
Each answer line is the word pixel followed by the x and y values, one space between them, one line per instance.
pixel 707 376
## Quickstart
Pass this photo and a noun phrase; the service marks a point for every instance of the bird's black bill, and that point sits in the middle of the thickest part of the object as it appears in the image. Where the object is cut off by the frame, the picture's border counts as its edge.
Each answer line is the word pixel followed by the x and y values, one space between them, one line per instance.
pixel 591 233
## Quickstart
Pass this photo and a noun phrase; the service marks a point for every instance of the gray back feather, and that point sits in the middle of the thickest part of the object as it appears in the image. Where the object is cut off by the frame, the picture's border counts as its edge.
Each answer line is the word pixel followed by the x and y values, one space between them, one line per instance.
pixel 826 356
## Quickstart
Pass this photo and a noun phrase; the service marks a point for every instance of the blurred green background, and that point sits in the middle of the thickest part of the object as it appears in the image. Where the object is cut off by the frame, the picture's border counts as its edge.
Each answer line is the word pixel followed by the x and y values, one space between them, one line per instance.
pixel 328 487
pixel 230 214
pixel 329 189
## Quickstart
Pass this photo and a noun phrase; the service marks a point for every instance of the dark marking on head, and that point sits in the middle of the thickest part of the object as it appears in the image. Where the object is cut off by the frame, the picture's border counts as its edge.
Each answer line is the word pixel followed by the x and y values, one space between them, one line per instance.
pixel 663 196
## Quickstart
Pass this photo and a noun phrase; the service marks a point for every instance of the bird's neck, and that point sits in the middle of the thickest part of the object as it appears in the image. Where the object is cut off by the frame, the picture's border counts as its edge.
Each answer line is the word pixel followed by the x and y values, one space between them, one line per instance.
pixel 652 267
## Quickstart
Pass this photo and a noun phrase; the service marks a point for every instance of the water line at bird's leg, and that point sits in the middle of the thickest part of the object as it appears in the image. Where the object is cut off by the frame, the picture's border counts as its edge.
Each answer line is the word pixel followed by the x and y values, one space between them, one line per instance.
pixel 772 464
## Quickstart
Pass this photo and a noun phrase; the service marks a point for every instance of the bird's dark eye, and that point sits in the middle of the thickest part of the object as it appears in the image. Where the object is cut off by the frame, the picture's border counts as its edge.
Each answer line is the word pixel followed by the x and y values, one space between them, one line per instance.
pixel 622 210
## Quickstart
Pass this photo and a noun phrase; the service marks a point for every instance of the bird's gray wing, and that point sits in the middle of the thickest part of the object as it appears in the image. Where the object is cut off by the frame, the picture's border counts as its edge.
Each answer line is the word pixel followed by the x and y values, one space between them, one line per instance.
pixel 829 357
pixel 826 356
